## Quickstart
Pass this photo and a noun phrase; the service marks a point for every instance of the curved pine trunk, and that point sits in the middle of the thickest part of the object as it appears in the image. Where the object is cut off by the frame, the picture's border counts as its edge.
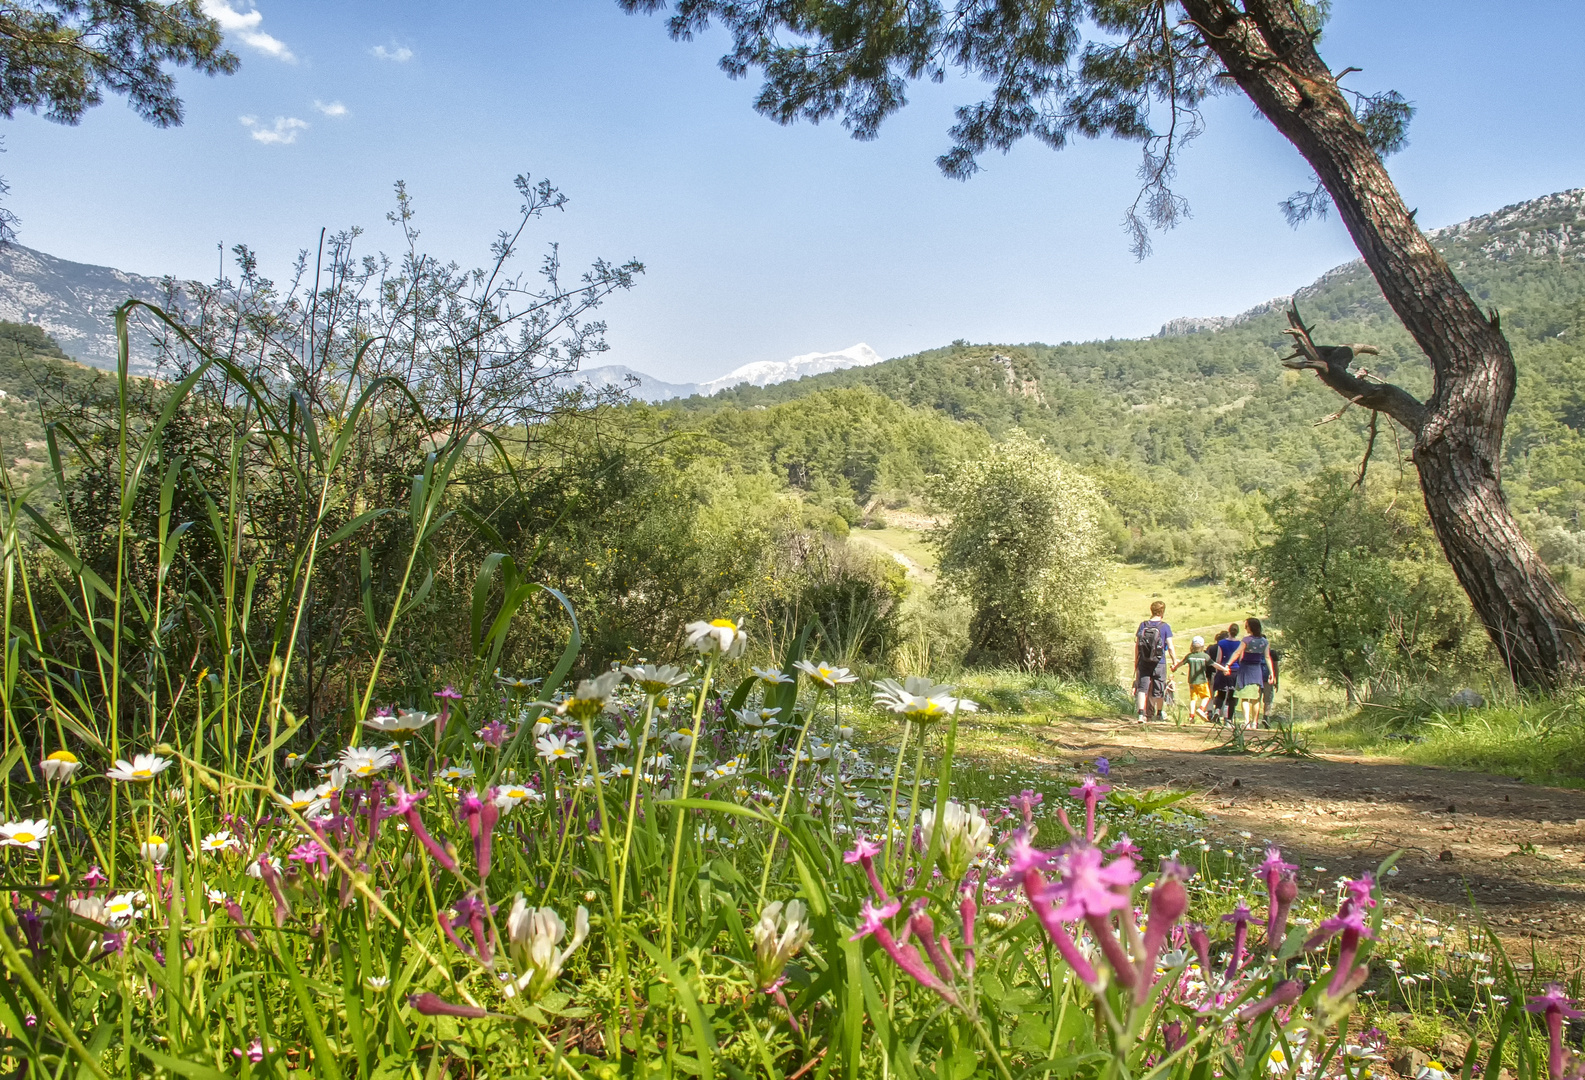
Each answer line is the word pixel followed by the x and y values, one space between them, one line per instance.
pixel 1458 433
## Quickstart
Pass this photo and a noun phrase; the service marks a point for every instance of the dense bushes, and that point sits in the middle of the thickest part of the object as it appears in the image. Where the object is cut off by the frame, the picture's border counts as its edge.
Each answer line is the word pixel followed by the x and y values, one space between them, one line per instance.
pixel 1025 549
pixel 1361 590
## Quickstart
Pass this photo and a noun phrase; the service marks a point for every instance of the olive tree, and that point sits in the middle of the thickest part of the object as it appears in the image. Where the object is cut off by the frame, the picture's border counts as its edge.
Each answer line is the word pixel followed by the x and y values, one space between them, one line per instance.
pixel 1024 546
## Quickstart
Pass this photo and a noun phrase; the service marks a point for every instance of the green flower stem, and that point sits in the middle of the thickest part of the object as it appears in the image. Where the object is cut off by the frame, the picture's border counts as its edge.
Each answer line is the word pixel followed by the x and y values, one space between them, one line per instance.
pixel 913 808
pixel 627 839
pixel 599 802
pixel 943 787
pixel 682 815
pixel 792 778
pixel 891 809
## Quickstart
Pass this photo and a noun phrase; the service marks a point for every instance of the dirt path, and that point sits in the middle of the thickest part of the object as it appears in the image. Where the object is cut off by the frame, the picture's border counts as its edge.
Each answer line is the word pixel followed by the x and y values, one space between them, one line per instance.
pixel 1518 849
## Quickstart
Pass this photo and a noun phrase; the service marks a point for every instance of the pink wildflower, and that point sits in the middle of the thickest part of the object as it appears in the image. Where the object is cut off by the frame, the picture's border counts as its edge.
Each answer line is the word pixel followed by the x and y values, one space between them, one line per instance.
pixel 1556 1006
pixel 863 853
pixel 1090 791
pixel 1124 847
pixel 1240 918
pixel 872 923
pixel 1025 802
pixel 435 1005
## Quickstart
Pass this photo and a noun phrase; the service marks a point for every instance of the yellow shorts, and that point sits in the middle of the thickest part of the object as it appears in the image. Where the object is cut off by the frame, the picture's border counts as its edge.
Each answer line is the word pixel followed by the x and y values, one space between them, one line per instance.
pixel 1199 691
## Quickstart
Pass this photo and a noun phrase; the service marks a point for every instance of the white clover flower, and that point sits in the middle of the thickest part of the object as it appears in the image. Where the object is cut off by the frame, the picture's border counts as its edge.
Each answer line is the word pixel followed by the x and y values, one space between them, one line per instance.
pixel 779 934
pixel 825 675
pixel 361 761
pixel 25 833
pixel 656 679
pixel 556 748
pixel 533 935
pixel 141 769
pixel 965 835
pixel 60 765
pixel 219 842
pixel 722 636
pixel 155 849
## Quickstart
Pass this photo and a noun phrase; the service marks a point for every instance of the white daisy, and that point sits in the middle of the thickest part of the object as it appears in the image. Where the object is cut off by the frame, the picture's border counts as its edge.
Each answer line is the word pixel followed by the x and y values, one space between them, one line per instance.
pixel 364 761
pixel 826 675
pixel 722 636
pixel 220 842
pixel 124 907
pixel 773 675
pixel 24 834
pixel 59 765
pixel 154 849
pixel 141 769
pixel 556 748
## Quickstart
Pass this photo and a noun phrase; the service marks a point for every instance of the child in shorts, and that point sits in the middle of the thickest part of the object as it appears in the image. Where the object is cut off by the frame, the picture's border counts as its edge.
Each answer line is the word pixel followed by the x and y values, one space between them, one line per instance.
pixel 1199 664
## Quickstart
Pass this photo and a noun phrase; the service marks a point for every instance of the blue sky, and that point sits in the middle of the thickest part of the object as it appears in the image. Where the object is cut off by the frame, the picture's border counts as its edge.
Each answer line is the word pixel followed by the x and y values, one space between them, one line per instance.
pixel 762 241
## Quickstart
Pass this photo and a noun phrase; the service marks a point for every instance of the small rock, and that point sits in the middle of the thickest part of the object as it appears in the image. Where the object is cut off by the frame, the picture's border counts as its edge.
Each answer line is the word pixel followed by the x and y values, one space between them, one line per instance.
pixel 1446 856
pixel 1408 1061
pixel 1238 783
pixel 1466 699
pixel 1452 809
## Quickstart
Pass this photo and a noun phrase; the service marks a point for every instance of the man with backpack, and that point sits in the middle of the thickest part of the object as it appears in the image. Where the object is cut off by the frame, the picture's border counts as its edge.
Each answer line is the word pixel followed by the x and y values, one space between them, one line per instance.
pixel 1152 654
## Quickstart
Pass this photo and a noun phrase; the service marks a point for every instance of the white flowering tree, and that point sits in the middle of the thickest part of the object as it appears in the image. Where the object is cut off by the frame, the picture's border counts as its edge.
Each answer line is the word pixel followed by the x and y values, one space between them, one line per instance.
pixel 1023 546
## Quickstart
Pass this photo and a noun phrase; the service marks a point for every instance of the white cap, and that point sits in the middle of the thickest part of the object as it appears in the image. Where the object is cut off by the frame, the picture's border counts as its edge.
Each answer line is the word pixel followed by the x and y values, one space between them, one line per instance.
pixel 1197 641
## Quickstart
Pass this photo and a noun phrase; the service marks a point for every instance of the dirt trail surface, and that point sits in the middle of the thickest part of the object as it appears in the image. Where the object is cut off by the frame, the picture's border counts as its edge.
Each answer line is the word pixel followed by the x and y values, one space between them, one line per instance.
pixel 1518 849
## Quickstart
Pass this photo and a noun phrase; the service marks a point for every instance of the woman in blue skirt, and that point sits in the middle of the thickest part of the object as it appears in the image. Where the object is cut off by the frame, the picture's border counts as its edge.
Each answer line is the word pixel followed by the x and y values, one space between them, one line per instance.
pixel 1254 671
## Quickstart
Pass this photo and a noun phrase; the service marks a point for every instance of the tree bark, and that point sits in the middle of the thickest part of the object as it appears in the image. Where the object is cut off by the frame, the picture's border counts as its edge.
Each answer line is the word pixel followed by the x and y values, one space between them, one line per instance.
pixel 1270 54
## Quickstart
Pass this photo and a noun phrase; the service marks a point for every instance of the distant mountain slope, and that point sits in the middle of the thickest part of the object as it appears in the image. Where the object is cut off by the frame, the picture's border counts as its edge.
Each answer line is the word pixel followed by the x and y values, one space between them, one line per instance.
pixel 1206 412
pixel 72 302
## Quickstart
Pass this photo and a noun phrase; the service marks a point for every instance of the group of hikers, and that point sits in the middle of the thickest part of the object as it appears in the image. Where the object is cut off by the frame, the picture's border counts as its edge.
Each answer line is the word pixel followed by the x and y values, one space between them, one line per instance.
pixel 1241 670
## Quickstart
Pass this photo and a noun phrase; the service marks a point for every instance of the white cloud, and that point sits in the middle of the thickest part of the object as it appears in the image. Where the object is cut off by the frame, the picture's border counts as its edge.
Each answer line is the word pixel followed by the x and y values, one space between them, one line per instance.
pixel 334 108
pixel 245 25
pixel 399 54
pixel 284 130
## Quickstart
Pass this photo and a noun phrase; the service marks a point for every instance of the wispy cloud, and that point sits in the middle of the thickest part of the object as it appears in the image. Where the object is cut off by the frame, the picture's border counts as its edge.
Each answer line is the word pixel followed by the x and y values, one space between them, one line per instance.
pixel 399 54
pixel 284 130
pixel 245 25
pixel 334 108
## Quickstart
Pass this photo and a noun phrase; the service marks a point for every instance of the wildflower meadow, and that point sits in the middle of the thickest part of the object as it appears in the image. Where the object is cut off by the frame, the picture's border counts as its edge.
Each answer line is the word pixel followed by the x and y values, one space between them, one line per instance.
pixel 737 860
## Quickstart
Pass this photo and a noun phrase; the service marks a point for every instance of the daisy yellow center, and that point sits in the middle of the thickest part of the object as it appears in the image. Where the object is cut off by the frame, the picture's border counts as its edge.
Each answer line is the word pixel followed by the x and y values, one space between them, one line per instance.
pixel 65 756
pixel 727 624
pixel 23 837
pixel 142 774
pixel 156 840
pixel 121 908
pixel 364 770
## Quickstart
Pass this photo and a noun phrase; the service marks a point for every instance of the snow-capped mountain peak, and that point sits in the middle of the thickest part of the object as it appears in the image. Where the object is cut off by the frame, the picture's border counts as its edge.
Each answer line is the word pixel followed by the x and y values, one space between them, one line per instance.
pixel 766 372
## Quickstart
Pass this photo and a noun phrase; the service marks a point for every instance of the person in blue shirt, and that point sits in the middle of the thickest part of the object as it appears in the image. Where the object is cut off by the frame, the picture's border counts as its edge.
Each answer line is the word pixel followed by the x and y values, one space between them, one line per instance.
pixel 1254 671
pixel 1224 673
pixel 1152 654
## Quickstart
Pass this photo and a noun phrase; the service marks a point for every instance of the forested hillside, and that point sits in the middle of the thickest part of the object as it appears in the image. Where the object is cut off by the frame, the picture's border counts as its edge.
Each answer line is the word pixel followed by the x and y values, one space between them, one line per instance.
pixel 1181 428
